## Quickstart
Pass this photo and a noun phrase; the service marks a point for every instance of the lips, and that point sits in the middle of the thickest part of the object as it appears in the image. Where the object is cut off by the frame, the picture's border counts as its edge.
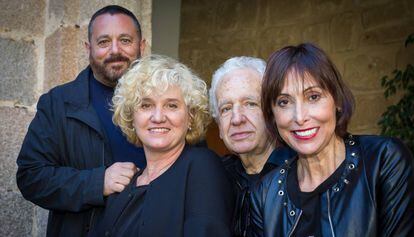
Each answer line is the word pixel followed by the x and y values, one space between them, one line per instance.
pixel 305 134
pixel 240 135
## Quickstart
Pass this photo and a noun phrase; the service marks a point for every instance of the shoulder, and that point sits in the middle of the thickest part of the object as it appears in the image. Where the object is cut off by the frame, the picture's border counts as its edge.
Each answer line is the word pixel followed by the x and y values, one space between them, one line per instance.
pixel 382 146
pixel 67 90
pixel 201 156
pixel 385 152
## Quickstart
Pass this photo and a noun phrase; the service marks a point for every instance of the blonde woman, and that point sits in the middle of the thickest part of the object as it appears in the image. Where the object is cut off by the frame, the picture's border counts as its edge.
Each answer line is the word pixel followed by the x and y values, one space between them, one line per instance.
pixel 162 106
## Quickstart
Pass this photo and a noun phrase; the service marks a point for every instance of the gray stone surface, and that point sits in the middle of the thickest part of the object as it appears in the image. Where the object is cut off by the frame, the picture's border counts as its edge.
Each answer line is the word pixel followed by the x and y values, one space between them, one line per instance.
pixel 369 109
pixel 396 33
pixel 26 16
pixel 364 72
pixel 318 34
pixel 344 34
pixel 16 215
pixel 18 70
pixel 287 11
pixel 87 8
pixel 12 131
pixel 242 14
pixel 40 222
pixel 63 49
pixel 386 14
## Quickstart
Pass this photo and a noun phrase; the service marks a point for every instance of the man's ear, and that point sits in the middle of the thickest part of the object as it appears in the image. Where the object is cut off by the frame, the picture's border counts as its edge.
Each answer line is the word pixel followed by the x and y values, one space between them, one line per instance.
pixel 87 47
pixel 142 45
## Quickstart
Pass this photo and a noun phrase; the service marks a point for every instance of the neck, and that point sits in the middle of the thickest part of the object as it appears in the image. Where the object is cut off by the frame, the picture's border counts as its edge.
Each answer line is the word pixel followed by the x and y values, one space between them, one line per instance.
pixel 107 83
pixel 157 163
pixel 315 169
pixel 253 163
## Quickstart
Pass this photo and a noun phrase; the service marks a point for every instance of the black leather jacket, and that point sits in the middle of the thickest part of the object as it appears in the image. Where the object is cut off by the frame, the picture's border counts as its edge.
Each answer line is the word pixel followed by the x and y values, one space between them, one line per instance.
pixel 244 183
pixel 374 196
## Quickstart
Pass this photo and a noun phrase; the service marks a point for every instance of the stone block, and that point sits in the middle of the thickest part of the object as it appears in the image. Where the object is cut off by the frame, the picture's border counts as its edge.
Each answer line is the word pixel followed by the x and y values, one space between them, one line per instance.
pixel 24 16
pixel 13 128
pixel 329 7
pixel 274 38
pixel 16 215
pixel 287 11
pixel 88 8
pixel 364 71
pixel 344 31
pixel 369 108
pixel 64 49
pixel 197 23
pixel 387 34
pixel 371 3
pixel 62 13
pixel 18 71
pixel 385 15
pixel 319 35
pixel 40 221
pixel 237 14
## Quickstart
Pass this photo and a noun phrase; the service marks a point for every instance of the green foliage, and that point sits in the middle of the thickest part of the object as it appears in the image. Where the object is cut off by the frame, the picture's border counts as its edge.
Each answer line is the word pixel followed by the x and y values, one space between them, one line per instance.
pixel 398 120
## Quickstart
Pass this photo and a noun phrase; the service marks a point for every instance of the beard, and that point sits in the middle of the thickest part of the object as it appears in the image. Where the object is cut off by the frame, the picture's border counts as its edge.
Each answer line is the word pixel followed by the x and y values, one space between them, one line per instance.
pixel 109 74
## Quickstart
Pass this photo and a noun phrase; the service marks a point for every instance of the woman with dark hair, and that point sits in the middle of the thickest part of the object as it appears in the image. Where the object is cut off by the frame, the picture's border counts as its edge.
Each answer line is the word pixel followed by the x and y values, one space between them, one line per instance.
pixel 339 184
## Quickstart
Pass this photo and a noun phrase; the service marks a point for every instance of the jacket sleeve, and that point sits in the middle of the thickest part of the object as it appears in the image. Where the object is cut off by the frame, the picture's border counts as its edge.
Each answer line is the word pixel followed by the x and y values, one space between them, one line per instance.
pixel 209 200
pixel 256 211
pixel 397 190
pixel 42 176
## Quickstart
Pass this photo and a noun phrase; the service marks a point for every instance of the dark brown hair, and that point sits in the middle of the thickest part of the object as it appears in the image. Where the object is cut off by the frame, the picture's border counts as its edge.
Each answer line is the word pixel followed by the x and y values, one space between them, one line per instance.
pixel 305 59
pixel 112 10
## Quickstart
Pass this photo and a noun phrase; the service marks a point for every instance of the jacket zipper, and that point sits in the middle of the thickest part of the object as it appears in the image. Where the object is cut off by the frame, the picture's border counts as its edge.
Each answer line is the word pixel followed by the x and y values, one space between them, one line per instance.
pixel 94 209
pixel 295 224
pixel 329 215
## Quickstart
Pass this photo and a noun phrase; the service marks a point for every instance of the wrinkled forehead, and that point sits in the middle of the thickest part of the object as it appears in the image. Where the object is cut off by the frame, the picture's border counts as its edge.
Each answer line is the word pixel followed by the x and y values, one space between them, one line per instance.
pixel 239 82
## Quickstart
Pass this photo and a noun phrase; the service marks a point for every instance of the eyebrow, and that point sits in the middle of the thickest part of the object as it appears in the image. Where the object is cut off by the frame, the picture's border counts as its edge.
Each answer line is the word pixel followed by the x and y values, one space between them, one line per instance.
pixel 107 36
pixel 227 101
pixel 305 90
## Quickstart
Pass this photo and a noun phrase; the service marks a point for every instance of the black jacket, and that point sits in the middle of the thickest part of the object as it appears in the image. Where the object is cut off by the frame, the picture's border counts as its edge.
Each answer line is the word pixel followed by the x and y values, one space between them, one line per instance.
pixel 62 161
pixel 374 196
pixel 243 184
pixel 192 198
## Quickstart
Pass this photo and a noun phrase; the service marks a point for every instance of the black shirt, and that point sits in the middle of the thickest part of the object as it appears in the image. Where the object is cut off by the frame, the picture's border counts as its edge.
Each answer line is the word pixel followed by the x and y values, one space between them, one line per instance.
pixel 243 183
pixel 122 150
pixel 129 222
pixel 309 202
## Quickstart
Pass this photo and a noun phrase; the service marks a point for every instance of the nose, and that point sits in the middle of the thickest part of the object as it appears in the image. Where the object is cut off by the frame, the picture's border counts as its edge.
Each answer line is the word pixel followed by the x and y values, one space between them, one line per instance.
pixel 114 47
pixel 301 113
pixel 158 116
pixel 237 116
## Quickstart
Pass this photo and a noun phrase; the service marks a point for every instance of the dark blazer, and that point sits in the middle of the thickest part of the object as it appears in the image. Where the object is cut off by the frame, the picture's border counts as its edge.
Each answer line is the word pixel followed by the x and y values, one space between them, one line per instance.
pixel 192 198
pixel 373 197
pixel 62 161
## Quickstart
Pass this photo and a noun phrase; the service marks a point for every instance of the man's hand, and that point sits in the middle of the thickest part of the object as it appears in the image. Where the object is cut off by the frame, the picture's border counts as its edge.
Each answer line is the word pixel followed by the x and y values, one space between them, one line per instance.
pixel 117 176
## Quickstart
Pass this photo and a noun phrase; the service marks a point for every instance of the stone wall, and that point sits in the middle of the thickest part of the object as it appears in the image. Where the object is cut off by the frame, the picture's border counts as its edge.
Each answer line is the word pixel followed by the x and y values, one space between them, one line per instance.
pixel 363 37
pixel 41 45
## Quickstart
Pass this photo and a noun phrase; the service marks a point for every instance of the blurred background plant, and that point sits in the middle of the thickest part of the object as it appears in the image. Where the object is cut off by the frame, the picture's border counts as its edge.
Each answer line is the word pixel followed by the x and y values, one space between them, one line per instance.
pixel 398 119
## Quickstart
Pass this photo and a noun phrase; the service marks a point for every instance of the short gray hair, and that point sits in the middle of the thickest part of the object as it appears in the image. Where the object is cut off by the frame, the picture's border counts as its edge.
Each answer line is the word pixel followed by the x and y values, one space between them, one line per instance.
pixel 243 62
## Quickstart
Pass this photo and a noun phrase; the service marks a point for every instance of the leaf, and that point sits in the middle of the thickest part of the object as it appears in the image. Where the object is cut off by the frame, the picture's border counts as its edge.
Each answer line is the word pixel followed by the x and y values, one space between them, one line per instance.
pixel 409 40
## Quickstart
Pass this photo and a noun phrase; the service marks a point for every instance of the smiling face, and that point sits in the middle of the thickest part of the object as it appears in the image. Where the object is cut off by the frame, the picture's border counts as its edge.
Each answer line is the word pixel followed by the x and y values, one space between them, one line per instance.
pixel 305 115
pixel 240 118
pixel 161 121
pixel 113 46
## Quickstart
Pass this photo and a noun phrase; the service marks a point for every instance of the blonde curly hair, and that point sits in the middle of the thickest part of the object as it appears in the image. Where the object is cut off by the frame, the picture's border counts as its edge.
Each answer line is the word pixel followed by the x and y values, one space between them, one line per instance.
pixel 155 73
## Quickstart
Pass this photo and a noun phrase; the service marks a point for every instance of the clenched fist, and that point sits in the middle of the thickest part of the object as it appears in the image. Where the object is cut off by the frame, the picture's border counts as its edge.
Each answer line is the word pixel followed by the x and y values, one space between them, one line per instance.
pixel 117 176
